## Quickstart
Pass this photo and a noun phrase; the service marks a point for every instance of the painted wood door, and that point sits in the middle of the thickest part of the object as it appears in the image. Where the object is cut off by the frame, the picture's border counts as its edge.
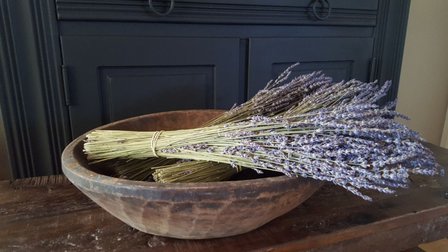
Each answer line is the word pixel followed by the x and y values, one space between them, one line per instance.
pixel 340 58
pixel 111 78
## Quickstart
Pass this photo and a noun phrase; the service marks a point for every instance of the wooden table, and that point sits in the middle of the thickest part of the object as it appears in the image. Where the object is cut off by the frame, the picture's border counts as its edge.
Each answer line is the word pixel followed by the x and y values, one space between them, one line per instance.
pixel 48 213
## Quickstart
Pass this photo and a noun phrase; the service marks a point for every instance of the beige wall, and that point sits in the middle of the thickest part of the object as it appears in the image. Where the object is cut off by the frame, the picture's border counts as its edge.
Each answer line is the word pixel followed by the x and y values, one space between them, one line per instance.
pixel 423 91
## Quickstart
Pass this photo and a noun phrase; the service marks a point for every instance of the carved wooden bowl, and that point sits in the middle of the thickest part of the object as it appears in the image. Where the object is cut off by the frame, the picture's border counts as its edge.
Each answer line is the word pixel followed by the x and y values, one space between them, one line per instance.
pixel 184 210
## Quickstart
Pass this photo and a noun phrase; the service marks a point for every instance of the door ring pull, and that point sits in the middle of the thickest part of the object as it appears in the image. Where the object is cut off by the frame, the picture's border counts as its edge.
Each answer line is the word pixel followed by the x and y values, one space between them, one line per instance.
pixel 166 13
pixel 316 14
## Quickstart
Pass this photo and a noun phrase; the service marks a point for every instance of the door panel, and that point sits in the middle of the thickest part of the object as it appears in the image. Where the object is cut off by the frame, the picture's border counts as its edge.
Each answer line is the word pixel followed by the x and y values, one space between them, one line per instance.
pixel 112 78
pixel 190 86
pixel 340 58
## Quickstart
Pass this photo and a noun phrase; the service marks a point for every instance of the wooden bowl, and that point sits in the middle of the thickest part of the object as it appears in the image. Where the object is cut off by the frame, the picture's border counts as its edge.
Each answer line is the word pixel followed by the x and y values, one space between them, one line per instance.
pixel 184 210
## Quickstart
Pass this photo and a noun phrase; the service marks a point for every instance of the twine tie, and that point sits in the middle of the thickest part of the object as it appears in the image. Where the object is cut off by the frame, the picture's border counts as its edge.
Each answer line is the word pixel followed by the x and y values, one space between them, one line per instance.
pixel 154 139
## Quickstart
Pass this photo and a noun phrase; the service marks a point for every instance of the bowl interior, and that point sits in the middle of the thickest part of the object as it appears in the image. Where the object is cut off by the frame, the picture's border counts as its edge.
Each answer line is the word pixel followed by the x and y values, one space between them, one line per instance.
pixel 173 120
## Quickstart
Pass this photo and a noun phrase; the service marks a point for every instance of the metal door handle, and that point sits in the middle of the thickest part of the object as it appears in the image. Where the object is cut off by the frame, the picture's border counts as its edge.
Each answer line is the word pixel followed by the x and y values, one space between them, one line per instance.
pixel 322 2
pixel 170 9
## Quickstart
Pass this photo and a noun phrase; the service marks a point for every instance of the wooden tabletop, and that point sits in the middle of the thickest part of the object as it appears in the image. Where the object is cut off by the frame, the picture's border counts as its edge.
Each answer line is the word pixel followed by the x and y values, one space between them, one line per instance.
pixel 48 213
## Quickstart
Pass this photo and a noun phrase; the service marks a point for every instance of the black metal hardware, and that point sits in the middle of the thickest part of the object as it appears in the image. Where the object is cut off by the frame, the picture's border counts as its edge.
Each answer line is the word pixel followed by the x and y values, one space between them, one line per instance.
pixel 322 3
pixel 170 9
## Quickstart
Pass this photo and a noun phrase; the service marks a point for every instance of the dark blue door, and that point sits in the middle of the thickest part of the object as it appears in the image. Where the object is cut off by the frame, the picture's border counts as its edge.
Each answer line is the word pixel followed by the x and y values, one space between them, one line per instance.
pixel 340 58
pixel 112 78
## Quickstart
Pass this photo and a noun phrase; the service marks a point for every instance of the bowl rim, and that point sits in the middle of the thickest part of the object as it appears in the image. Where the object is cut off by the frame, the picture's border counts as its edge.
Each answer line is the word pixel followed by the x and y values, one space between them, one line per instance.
pixel 82 176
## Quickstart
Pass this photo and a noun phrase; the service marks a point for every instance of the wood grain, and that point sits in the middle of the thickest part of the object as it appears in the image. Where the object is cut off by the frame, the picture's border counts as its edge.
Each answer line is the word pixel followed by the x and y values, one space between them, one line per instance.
pixel 59 217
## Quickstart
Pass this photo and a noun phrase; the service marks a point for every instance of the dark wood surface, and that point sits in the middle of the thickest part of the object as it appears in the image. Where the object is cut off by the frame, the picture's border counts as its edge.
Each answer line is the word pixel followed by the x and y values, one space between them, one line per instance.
pixel 48 213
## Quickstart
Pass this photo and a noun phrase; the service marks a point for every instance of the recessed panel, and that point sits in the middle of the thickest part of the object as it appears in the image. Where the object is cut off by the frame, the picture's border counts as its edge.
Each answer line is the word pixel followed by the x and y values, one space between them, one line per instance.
pixel 132 91
pixel 340 58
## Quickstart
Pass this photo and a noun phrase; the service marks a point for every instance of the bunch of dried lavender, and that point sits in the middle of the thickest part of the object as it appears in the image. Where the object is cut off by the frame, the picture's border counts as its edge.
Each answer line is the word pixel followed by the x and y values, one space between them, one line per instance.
pixel 323 95
pixel 194 171
pixel 356 145
pixel 278 96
